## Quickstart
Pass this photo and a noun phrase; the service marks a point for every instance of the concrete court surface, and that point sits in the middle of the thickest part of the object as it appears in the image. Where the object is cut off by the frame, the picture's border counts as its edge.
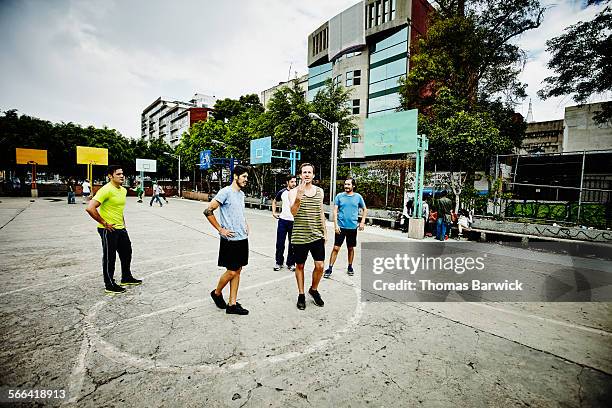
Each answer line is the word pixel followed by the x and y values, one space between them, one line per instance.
pixel 165 344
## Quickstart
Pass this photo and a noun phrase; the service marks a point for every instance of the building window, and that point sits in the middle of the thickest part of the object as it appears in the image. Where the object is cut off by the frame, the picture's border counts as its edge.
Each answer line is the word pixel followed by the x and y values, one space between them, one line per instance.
pixel 357 77
pixel 356 103
pixel 355 135
pixel 371 15
pixel 385 11
pixel 392 10
pixel 378 13
pixel 349 79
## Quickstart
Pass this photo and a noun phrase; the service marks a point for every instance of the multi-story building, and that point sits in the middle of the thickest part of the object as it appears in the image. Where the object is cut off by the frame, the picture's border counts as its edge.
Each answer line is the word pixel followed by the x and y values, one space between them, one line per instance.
pixel 366 48
pixel 576 132
pixel 168 119
pixel 301 81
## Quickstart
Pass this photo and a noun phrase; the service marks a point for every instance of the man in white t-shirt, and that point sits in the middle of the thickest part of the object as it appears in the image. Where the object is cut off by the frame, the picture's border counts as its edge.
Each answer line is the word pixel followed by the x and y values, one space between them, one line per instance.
pixel 86 190
pixel 285 225
pixel 155 196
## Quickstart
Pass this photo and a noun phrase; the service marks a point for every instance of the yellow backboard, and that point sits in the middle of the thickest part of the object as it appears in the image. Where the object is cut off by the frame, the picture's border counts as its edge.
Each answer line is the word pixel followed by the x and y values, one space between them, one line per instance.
pixel 92 155
pixel 27 156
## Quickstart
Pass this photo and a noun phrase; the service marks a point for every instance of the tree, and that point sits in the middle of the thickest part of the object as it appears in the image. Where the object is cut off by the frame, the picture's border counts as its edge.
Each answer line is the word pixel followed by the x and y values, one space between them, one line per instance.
pixel 582 60
pixel 463 79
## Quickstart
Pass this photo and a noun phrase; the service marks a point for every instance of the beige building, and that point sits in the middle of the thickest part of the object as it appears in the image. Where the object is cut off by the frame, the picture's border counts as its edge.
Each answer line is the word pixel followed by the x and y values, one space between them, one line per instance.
pixel 580 132
pixel 576 132
pixel 302 82
pixel 168 119
pixel 366 48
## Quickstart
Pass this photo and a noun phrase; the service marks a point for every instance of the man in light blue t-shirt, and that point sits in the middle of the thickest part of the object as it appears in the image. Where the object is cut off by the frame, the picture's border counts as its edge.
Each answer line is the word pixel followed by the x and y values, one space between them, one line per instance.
pixel 233 236
pixel 345 216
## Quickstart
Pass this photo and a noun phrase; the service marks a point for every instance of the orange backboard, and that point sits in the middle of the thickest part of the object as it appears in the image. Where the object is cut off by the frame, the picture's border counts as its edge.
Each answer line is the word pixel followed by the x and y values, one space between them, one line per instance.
pixel 92 155
pixel 28 156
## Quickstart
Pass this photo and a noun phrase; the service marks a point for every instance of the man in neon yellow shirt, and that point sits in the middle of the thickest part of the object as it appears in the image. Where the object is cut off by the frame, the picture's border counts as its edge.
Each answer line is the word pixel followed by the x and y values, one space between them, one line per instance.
pixel 107 208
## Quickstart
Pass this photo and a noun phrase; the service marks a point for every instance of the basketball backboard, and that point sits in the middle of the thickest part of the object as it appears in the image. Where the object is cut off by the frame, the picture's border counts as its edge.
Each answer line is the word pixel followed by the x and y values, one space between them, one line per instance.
pixel 146 165
pixel 28 156
pixel 261 150
pixel 92 155
pixel 392 133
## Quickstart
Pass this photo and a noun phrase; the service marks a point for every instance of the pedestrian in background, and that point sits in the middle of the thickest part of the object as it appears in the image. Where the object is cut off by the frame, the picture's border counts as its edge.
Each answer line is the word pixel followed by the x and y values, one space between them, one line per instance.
pixel 86 190
pixel 155 196
pixel 71 188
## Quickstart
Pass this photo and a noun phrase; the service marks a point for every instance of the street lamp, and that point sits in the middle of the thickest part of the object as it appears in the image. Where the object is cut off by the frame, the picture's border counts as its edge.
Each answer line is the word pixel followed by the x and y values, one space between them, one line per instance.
pixel 333 128
pixel 177 156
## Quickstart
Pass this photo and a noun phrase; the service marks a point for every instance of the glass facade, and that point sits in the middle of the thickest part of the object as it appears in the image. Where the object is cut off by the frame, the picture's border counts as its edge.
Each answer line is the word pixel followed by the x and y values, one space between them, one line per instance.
pixel 388 62
pixel 316 78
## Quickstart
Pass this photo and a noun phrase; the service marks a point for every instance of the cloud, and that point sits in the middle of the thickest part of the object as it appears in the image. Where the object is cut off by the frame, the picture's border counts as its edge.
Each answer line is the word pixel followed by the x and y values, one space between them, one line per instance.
pixel 102 63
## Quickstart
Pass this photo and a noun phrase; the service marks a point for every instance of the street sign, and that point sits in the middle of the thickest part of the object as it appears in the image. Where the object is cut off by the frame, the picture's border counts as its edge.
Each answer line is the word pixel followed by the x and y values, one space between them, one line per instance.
pixel 92 155
pixel 261 150
pixel 205 159
pixel 147 165
pixel 391 134
pixel 29 156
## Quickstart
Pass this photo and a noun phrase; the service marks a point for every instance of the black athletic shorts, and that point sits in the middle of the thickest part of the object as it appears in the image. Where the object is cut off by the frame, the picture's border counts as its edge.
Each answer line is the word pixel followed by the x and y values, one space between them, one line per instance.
pixel 316 248
pixel 351 237
pixel 233 255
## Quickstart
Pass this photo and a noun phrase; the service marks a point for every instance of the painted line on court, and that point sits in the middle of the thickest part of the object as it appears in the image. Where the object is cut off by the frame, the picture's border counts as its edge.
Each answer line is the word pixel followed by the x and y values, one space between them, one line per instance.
pixel 546 319
pixel 112 352
pixel 98 272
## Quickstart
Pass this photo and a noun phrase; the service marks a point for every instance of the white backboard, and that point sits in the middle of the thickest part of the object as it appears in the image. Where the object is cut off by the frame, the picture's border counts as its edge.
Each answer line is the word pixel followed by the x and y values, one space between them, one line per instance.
pixel 146 165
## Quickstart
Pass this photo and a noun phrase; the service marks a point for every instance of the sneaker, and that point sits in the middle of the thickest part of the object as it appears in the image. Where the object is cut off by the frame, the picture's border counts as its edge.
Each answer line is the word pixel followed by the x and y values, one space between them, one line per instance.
pixel 327 273
pixel 301 303
pixel 113 290
pixel 236 309
pixel 350 271
pixel 219 301
pixel 277 267
pixel 291 267
pixel 131 282
pixel 316 297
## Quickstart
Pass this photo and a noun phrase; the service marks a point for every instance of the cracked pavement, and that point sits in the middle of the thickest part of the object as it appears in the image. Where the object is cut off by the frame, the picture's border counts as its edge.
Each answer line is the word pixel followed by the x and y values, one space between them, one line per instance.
pixel 165 344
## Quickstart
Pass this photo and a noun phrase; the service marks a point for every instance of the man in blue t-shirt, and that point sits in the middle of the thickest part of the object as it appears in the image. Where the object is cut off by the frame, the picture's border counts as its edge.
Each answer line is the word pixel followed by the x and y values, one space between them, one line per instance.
pixel 233 233
pixel 345 216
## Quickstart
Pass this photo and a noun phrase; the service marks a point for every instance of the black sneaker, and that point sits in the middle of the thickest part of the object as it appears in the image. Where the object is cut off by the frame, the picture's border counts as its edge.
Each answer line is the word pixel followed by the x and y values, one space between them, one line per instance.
pixel 350 271
pixel 277 267
pixel 132 281
pixel 327 273
pixel 219 301
pixel 113 290
pixel 316 297
pixel 236 309
pixel 301 303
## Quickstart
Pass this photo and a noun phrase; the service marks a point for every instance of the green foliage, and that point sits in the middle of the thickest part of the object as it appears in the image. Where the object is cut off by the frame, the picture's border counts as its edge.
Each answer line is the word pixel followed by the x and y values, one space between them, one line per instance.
pixel 60 141
pixel 463 78
pixel 582 60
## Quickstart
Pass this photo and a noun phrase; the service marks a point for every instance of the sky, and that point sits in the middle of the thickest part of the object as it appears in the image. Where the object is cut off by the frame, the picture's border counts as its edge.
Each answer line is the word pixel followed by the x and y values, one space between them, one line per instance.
pixel 102 62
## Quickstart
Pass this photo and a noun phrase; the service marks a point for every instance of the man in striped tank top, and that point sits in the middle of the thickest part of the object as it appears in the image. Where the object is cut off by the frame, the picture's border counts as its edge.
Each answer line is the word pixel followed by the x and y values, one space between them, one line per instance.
pixel 309 233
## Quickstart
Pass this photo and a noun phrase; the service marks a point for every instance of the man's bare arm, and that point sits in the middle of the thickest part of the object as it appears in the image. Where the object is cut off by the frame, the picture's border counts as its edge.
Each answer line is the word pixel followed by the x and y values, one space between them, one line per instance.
pixel 274 208
pixel 210 216
pixel 323 218
pixel 363 218
pixel 92 210
pixel 294 201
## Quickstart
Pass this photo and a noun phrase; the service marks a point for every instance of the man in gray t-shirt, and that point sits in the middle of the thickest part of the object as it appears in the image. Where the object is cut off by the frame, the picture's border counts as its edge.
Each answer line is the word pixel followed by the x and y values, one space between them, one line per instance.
pixel 233 236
